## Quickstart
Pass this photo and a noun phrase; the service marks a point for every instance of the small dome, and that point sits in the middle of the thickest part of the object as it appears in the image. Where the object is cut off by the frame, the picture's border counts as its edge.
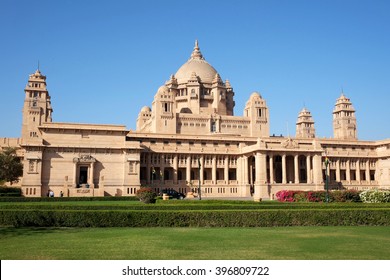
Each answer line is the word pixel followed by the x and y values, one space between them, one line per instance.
pixel 163 89
pixel 255 95
pixel 161 92
pixel 196 64
pixel 304 111
pixel 146 109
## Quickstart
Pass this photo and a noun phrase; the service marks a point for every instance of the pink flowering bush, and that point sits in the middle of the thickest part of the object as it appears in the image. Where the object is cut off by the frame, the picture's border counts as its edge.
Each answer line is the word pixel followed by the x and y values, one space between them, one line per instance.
pixel 318 196
pixel 285 196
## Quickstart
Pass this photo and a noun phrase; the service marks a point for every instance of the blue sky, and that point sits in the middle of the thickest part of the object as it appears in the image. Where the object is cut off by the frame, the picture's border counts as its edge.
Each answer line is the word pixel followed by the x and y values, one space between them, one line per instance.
pixel 104 60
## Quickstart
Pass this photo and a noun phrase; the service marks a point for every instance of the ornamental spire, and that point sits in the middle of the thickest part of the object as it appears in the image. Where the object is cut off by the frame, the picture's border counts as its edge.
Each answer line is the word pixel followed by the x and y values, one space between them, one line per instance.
pixel 196 52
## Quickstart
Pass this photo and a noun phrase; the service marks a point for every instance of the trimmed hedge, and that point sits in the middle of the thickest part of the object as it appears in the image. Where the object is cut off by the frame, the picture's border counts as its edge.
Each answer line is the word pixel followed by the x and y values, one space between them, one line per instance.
pixel 161 206
pixel 10 192
pixel 203 218
pixel 46 199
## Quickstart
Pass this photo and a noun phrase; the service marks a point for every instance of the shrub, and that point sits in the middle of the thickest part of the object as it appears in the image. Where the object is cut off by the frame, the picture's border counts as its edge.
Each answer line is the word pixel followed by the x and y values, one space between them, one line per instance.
pixel 10 191
pixel 146 195
pixel 375 196
pixel 285 196
pixel 318 196
pixel 300 196
pixel 346 196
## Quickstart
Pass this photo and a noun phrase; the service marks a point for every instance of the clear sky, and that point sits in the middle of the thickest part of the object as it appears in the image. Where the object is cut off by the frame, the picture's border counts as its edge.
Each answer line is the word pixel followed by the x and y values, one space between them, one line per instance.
pixel 105 60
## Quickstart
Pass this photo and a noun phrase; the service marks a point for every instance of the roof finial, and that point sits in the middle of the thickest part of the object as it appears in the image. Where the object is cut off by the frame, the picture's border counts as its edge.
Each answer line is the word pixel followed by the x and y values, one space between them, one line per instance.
pixel 38 64
pixel 196 52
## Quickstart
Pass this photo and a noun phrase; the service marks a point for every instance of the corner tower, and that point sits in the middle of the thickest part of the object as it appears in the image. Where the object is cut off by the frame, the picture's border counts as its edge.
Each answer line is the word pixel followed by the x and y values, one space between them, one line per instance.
pixel 37 107
pixel 344 119
pixel 305 125
pixel 257 111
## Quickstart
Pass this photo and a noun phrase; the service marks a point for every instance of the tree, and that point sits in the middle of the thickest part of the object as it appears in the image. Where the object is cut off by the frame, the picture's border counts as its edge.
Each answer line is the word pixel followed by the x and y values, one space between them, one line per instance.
pixel 10 166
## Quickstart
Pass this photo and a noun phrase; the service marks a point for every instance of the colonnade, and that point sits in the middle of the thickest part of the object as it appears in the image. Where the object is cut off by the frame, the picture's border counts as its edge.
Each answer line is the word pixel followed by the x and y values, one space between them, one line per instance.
pixel 158 163
pixel 350 170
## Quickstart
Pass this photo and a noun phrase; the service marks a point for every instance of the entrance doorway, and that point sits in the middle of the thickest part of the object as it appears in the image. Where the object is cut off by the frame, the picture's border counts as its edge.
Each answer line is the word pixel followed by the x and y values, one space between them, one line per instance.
pixel 83 178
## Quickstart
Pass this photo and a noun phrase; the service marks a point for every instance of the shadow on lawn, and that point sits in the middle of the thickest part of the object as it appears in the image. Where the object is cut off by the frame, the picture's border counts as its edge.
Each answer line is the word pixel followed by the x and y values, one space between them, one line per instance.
pixel 27 231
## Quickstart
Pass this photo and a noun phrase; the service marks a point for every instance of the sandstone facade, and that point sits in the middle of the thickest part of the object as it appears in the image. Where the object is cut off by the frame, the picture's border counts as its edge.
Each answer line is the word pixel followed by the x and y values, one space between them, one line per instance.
pixel 190 137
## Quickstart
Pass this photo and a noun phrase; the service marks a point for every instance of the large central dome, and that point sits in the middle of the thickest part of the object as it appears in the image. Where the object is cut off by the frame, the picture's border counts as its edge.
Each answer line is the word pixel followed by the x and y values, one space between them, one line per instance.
pixel 196 64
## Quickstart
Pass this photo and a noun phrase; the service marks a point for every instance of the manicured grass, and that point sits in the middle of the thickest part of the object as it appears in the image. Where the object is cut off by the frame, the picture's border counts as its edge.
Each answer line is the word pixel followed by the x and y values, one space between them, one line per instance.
pixel 299 243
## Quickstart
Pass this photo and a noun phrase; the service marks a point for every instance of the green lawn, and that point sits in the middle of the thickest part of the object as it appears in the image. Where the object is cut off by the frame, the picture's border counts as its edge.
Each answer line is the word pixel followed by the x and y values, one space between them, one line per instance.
pixel 281 243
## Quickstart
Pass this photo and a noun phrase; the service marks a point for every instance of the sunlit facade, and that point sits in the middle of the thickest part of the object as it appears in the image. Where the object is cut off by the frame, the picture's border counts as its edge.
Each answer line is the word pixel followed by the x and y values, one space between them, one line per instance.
pixel 190 137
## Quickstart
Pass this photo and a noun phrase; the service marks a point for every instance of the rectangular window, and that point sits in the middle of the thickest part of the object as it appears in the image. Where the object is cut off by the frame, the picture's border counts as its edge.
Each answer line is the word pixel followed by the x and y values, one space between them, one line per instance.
pixel 31 166
pixel 132 167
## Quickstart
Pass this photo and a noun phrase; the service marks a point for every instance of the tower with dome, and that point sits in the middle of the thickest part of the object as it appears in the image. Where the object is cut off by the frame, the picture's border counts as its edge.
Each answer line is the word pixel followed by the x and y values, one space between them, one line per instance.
pixel 197 101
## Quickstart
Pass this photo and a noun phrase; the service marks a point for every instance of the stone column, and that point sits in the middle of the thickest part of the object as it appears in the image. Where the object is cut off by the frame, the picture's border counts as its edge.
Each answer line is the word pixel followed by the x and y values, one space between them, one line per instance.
pixel 201 170
pixel 368 179
pixel 308 169
pixel 317 171
pixel 358 171
pixel 250 174
pixel 148 170
pixel 263 169
pixel 296 169
pixel 188 169
pixel 245 170
pixel 175 169
pixel 337 170
pixel 271 169
pixel 226 169
pixel 284 171
pixel 348 172
pixel 214 170
pixel 256 183
pixel 91 175
pixel 75 175
pixel 261 177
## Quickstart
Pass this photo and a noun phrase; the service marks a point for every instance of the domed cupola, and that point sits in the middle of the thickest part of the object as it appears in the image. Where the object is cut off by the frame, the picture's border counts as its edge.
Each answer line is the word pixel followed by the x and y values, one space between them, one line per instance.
pixel 196 63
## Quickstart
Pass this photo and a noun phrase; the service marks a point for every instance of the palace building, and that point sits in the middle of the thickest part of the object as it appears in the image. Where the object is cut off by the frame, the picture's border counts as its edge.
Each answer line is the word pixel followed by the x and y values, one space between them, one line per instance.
pixel 190 137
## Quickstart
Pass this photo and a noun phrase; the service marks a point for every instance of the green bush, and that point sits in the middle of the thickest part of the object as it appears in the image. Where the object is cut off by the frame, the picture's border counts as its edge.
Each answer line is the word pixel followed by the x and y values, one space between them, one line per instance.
pixel 146 195
pixel 346 196
pixel 10 191
pixel 375 196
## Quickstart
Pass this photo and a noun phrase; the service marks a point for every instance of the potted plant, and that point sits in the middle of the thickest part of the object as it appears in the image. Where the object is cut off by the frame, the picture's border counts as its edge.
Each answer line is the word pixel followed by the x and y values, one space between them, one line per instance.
pixel 146 195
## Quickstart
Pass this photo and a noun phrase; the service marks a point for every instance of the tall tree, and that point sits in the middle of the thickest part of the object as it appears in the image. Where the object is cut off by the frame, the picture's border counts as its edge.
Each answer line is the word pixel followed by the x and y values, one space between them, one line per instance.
pixel 10 166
